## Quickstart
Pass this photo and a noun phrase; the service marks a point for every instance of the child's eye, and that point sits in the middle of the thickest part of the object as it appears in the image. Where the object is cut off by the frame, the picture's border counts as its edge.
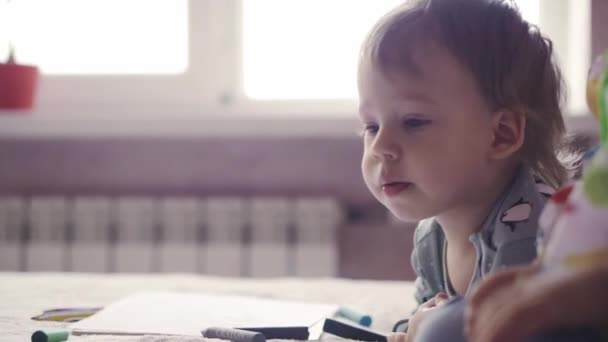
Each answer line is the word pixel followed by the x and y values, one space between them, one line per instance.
pixel 370 129
pixel 415 123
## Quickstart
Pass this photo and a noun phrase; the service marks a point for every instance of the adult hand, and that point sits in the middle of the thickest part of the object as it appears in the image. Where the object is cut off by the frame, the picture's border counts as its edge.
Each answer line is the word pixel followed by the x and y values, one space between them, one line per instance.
pixel 519 302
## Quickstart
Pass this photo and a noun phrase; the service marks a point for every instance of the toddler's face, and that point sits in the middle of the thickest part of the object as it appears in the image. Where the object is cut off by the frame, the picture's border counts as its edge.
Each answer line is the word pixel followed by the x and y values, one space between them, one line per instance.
pixel 427 136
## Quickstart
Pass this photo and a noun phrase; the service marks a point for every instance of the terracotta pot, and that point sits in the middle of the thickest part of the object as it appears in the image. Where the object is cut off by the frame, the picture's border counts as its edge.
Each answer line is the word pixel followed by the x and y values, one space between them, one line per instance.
pixel 18 84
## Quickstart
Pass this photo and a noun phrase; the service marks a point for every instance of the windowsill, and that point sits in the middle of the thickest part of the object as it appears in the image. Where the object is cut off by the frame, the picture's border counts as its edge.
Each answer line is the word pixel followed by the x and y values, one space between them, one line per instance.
pixel 31 124
pixel 14 124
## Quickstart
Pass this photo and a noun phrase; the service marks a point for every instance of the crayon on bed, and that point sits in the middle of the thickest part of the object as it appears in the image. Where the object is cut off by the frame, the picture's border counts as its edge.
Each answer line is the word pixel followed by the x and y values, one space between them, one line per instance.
pixel 234 335
pixel 50 336
pixel 355 316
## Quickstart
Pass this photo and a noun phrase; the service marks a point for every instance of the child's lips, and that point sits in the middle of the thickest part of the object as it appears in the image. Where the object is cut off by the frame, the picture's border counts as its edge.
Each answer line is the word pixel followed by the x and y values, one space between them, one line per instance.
pixel 395 188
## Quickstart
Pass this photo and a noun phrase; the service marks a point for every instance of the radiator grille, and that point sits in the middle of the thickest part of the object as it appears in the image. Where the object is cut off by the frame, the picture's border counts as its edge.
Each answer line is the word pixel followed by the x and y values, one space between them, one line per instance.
pixel 248 236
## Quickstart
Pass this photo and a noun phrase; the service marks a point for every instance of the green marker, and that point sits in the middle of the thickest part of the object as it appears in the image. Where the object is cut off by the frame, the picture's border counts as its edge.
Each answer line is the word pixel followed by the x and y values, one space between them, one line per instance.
pixel 357 317
pixel 50 336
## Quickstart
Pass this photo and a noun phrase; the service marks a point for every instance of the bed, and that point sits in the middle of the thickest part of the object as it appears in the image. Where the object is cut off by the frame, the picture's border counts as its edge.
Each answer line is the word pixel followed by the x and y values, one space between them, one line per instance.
pixel 24 295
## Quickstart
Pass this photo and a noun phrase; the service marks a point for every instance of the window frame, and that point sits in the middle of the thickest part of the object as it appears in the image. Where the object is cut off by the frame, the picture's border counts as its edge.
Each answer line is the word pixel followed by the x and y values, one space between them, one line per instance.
pixel 208 98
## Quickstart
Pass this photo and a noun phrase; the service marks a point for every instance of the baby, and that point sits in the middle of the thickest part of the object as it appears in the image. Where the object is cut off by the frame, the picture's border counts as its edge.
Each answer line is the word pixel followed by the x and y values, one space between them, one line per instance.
pixel 460 106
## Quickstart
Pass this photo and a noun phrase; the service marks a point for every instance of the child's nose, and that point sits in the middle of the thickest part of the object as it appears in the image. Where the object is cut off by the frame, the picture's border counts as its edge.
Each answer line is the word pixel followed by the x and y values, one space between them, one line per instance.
pixel 385 146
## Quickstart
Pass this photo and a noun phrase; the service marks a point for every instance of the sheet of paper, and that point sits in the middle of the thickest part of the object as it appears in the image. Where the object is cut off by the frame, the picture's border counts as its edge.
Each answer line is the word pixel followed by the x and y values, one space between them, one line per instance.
pixel 189 313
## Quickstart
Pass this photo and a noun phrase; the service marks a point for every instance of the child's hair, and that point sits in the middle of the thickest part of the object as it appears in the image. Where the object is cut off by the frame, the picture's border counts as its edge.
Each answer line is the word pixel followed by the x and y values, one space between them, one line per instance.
pixel 511 61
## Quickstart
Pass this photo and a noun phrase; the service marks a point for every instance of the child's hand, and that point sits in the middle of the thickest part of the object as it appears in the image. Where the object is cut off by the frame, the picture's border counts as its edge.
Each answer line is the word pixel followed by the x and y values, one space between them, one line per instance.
pixel 397 337
pixel 424 310
pixel 513 304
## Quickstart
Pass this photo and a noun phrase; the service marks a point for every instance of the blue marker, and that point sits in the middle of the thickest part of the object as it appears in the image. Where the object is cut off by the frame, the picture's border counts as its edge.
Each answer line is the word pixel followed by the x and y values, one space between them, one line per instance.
pixel 357 317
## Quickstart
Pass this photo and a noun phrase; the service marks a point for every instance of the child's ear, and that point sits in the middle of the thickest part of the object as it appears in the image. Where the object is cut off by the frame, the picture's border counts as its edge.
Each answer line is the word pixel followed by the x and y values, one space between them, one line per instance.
pixel 508 131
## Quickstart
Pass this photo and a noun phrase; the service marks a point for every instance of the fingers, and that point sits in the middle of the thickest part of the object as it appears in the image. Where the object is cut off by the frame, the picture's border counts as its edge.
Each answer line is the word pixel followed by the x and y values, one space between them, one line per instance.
pixel 431 302
pixel 441 298
pixel 416 320
pixel 423 310
pixel 397 337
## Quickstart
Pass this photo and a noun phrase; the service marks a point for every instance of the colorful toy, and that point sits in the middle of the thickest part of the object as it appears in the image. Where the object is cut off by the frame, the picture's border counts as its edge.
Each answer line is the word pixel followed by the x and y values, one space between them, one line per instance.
pixel 574 223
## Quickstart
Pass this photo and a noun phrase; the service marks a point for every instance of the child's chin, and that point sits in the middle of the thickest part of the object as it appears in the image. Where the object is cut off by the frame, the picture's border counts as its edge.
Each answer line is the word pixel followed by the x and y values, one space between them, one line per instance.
pixel 409 217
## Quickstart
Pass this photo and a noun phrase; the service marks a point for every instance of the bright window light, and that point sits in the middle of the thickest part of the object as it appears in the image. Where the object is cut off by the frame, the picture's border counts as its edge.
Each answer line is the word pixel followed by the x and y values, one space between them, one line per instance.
pixel 308 49
pixel 530 10
pixel 98 36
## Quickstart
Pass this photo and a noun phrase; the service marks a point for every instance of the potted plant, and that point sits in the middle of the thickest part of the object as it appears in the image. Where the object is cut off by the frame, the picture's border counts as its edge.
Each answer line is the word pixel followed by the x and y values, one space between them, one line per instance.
pixel 18 83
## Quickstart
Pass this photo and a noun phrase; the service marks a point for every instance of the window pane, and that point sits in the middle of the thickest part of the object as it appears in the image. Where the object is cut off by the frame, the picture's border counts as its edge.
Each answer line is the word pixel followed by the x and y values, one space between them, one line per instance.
pixel 99 36
pixel 308 49
pixel 530 10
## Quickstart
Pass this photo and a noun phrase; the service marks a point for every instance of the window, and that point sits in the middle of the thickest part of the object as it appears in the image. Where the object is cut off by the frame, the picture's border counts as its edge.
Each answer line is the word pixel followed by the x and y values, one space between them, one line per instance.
pixel 76 37
pixel 305 49
pixel 308 49
pixel 170 61
pixel 111 59
pixel 569 27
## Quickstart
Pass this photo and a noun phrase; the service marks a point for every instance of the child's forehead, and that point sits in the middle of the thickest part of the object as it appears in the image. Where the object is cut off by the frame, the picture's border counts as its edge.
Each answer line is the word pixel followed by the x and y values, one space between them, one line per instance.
pixel 439 78
pixel 429 62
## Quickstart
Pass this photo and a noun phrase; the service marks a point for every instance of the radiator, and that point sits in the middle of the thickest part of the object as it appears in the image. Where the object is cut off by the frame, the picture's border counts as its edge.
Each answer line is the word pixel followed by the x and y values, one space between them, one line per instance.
pixel 249 237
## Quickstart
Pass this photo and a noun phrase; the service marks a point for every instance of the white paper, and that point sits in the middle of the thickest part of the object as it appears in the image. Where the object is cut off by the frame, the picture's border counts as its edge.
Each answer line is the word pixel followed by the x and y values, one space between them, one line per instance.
pixel 188 313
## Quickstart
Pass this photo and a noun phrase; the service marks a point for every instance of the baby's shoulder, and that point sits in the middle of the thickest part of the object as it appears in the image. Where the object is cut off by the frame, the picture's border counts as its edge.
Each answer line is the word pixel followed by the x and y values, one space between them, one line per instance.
pixel 517 215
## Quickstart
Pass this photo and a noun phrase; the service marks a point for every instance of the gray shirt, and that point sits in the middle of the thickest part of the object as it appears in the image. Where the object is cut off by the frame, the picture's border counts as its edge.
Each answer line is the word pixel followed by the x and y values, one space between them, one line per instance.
pixel 507 237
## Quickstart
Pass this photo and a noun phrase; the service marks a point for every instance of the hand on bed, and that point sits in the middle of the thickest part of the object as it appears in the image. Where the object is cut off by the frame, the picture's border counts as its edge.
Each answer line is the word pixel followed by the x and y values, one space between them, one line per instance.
pixel 512 304
pixel 424 310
